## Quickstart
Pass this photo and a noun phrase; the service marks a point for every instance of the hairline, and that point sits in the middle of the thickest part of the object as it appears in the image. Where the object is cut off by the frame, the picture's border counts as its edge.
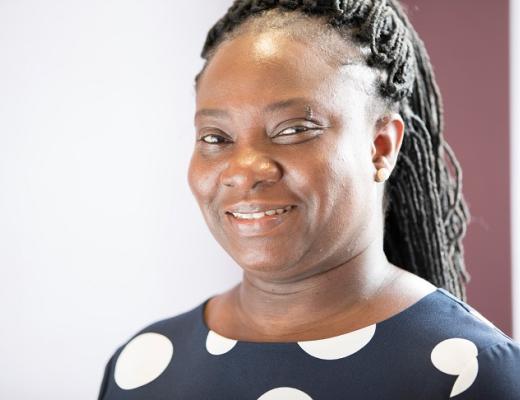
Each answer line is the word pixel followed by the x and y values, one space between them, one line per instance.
pixel 326 38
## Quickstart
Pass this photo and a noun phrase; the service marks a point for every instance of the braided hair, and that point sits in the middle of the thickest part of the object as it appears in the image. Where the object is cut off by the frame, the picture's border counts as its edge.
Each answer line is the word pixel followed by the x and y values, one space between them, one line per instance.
pixel 425 214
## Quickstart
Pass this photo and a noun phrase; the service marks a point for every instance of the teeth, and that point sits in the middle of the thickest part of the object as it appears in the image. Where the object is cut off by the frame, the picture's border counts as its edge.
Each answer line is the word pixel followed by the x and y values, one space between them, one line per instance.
pixel 261 214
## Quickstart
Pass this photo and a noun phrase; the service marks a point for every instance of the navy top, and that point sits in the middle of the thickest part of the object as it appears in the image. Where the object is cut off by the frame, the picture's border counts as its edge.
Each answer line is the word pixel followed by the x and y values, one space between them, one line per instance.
pixel 438 348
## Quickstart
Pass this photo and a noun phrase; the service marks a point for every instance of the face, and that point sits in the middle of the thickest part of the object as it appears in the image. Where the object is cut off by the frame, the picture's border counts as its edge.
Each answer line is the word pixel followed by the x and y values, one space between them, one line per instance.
pixel 278 125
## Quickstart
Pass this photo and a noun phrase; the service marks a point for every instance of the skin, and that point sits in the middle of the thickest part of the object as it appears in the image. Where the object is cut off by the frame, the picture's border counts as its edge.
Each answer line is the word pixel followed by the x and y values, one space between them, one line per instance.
pixel 324 272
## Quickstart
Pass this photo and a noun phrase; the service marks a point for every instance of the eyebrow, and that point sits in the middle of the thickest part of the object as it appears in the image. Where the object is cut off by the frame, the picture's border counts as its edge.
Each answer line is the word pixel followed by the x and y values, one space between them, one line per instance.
pixel 276 106
pixel 211 112
pixel 280 105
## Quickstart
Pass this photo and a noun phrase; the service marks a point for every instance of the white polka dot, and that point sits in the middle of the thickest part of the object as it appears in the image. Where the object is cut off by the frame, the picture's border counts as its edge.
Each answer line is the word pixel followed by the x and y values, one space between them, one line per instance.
pixel 457 356
pixel 285 393
pixel 142 360
pixel 340 346
pixel 217 344
pixel 466 378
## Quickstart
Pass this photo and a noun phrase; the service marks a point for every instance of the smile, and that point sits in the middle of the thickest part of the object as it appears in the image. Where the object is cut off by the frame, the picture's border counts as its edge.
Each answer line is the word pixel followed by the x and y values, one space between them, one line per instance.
pixel 260 223
pixel 262 214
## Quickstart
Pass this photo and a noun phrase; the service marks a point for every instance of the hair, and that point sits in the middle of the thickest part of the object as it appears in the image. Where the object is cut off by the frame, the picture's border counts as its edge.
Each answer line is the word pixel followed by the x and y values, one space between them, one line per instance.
pixel 426 216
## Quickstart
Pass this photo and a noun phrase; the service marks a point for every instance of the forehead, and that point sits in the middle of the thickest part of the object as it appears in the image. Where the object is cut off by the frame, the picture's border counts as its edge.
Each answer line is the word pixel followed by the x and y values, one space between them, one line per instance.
pixel 258 67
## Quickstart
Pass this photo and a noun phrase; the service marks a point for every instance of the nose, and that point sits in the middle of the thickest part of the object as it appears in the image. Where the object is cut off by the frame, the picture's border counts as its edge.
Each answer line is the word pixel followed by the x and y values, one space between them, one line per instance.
pixel 250 169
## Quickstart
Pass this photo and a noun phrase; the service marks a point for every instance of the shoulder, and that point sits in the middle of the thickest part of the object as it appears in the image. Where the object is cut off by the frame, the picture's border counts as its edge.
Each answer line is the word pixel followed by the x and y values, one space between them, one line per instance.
pixel 497 373
pixel 178 328
pixel 483 361
pixel 177 325
pixel 447 315
pixel 158 341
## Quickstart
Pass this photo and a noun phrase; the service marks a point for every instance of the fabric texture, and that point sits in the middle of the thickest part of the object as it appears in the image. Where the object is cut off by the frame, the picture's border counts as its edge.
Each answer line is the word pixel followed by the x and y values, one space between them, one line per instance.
pixel 438 348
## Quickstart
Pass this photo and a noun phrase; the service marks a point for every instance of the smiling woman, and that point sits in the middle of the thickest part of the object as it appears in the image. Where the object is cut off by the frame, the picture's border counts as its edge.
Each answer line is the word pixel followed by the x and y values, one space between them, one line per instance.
pixel 320 167
pixel 296 131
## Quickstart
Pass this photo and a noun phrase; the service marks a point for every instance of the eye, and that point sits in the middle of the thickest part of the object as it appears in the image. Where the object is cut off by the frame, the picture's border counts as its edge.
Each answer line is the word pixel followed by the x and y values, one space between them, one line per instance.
pixel 213 139
pixel 299 129
pixel 293 130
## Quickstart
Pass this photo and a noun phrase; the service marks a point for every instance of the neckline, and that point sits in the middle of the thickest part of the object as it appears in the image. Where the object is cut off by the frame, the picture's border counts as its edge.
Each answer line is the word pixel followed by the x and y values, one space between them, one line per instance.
pixel 385 321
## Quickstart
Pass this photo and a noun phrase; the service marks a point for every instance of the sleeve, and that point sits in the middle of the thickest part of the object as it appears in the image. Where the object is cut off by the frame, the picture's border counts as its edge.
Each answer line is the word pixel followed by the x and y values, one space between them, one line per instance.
pixel 106 378
pixel 498 374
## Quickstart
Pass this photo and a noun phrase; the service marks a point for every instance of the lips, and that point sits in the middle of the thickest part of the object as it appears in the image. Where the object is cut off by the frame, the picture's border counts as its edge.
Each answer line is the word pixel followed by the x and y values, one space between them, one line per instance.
pixel 261 214
pixel 261 225
pixel 254 207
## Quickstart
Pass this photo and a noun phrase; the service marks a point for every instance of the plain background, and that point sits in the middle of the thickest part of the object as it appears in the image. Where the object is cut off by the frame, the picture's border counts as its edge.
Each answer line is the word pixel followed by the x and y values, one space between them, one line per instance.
pixel 514 24
pixel 99 233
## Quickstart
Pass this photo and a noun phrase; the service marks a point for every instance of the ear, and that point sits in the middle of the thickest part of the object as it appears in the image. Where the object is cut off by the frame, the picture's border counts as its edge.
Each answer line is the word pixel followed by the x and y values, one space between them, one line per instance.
pixel 387 141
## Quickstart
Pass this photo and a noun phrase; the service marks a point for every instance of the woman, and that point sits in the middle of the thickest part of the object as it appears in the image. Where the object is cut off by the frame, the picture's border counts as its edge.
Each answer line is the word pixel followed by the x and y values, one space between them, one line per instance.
pixel 320 167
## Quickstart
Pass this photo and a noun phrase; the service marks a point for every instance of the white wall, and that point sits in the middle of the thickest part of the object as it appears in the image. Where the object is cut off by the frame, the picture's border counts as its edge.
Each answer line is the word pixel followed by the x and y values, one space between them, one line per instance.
pixel 515 159
pixel 99 233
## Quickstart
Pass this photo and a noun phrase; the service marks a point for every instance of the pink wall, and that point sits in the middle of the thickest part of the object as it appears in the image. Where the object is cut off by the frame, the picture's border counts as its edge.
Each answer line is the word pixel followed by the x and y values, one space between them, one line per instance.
pixel 468 42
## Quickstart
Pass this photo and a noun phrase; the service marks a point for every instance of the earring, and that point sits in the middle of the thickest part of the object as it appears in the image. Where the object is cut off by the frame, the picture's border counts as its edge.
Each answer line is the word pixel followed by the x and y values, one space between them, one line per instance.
pixel 382 174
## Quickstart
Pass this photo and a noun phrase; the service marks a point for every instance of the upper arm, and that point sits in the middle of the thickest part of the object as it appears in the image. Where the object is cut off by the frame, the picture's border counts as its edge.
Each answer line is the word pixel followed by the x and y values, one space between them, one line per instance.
pixel 498 375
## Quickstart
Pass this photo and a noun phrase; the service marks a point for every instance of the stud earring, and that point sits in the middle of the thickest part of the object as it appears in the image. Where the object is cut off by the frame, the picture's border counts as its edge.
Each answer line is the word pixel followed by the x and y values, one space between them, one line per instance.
pixel 382 174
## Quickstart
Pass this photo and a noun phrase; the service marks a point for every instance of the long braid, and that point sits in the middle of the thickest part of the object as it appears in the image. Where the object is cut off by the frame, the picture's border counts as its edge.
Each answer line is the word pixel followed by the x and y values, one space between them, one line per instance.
pixel 425 214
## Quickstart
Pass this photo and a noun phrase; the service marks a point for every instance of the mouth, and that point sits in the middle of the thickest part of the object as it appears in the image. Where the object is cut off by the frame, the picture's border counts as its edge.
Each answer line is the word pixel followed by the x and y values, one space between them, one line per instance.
pixel 261 214
pixel 260 223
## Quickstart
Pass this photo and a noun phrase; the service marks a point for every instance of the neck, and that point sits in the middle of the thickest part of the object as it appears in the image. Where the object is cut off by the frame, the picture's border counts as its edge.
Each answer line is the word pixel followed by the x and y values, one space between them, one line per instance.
pixel 280 309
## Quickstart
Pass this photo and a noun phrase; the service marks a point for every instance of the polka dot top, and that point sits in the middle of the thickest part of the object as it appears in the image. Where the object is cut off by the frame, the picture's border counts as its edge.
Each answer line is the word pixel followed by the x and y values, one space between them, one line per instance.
pixel 438 348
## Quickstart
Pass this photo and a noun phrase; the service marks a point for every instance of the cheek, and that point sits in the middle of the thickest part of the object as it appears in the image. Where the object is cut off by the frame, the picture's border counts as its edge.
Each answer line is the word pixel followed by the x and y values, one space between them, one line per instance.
pixel 349 186
pixel 202 179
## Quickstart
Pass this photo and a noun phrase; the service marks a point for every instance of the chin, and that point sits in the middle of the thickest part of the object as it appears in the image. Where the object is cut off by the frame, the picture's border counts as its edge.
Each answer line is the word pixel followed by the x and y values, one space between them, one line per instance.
pixel 258 262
